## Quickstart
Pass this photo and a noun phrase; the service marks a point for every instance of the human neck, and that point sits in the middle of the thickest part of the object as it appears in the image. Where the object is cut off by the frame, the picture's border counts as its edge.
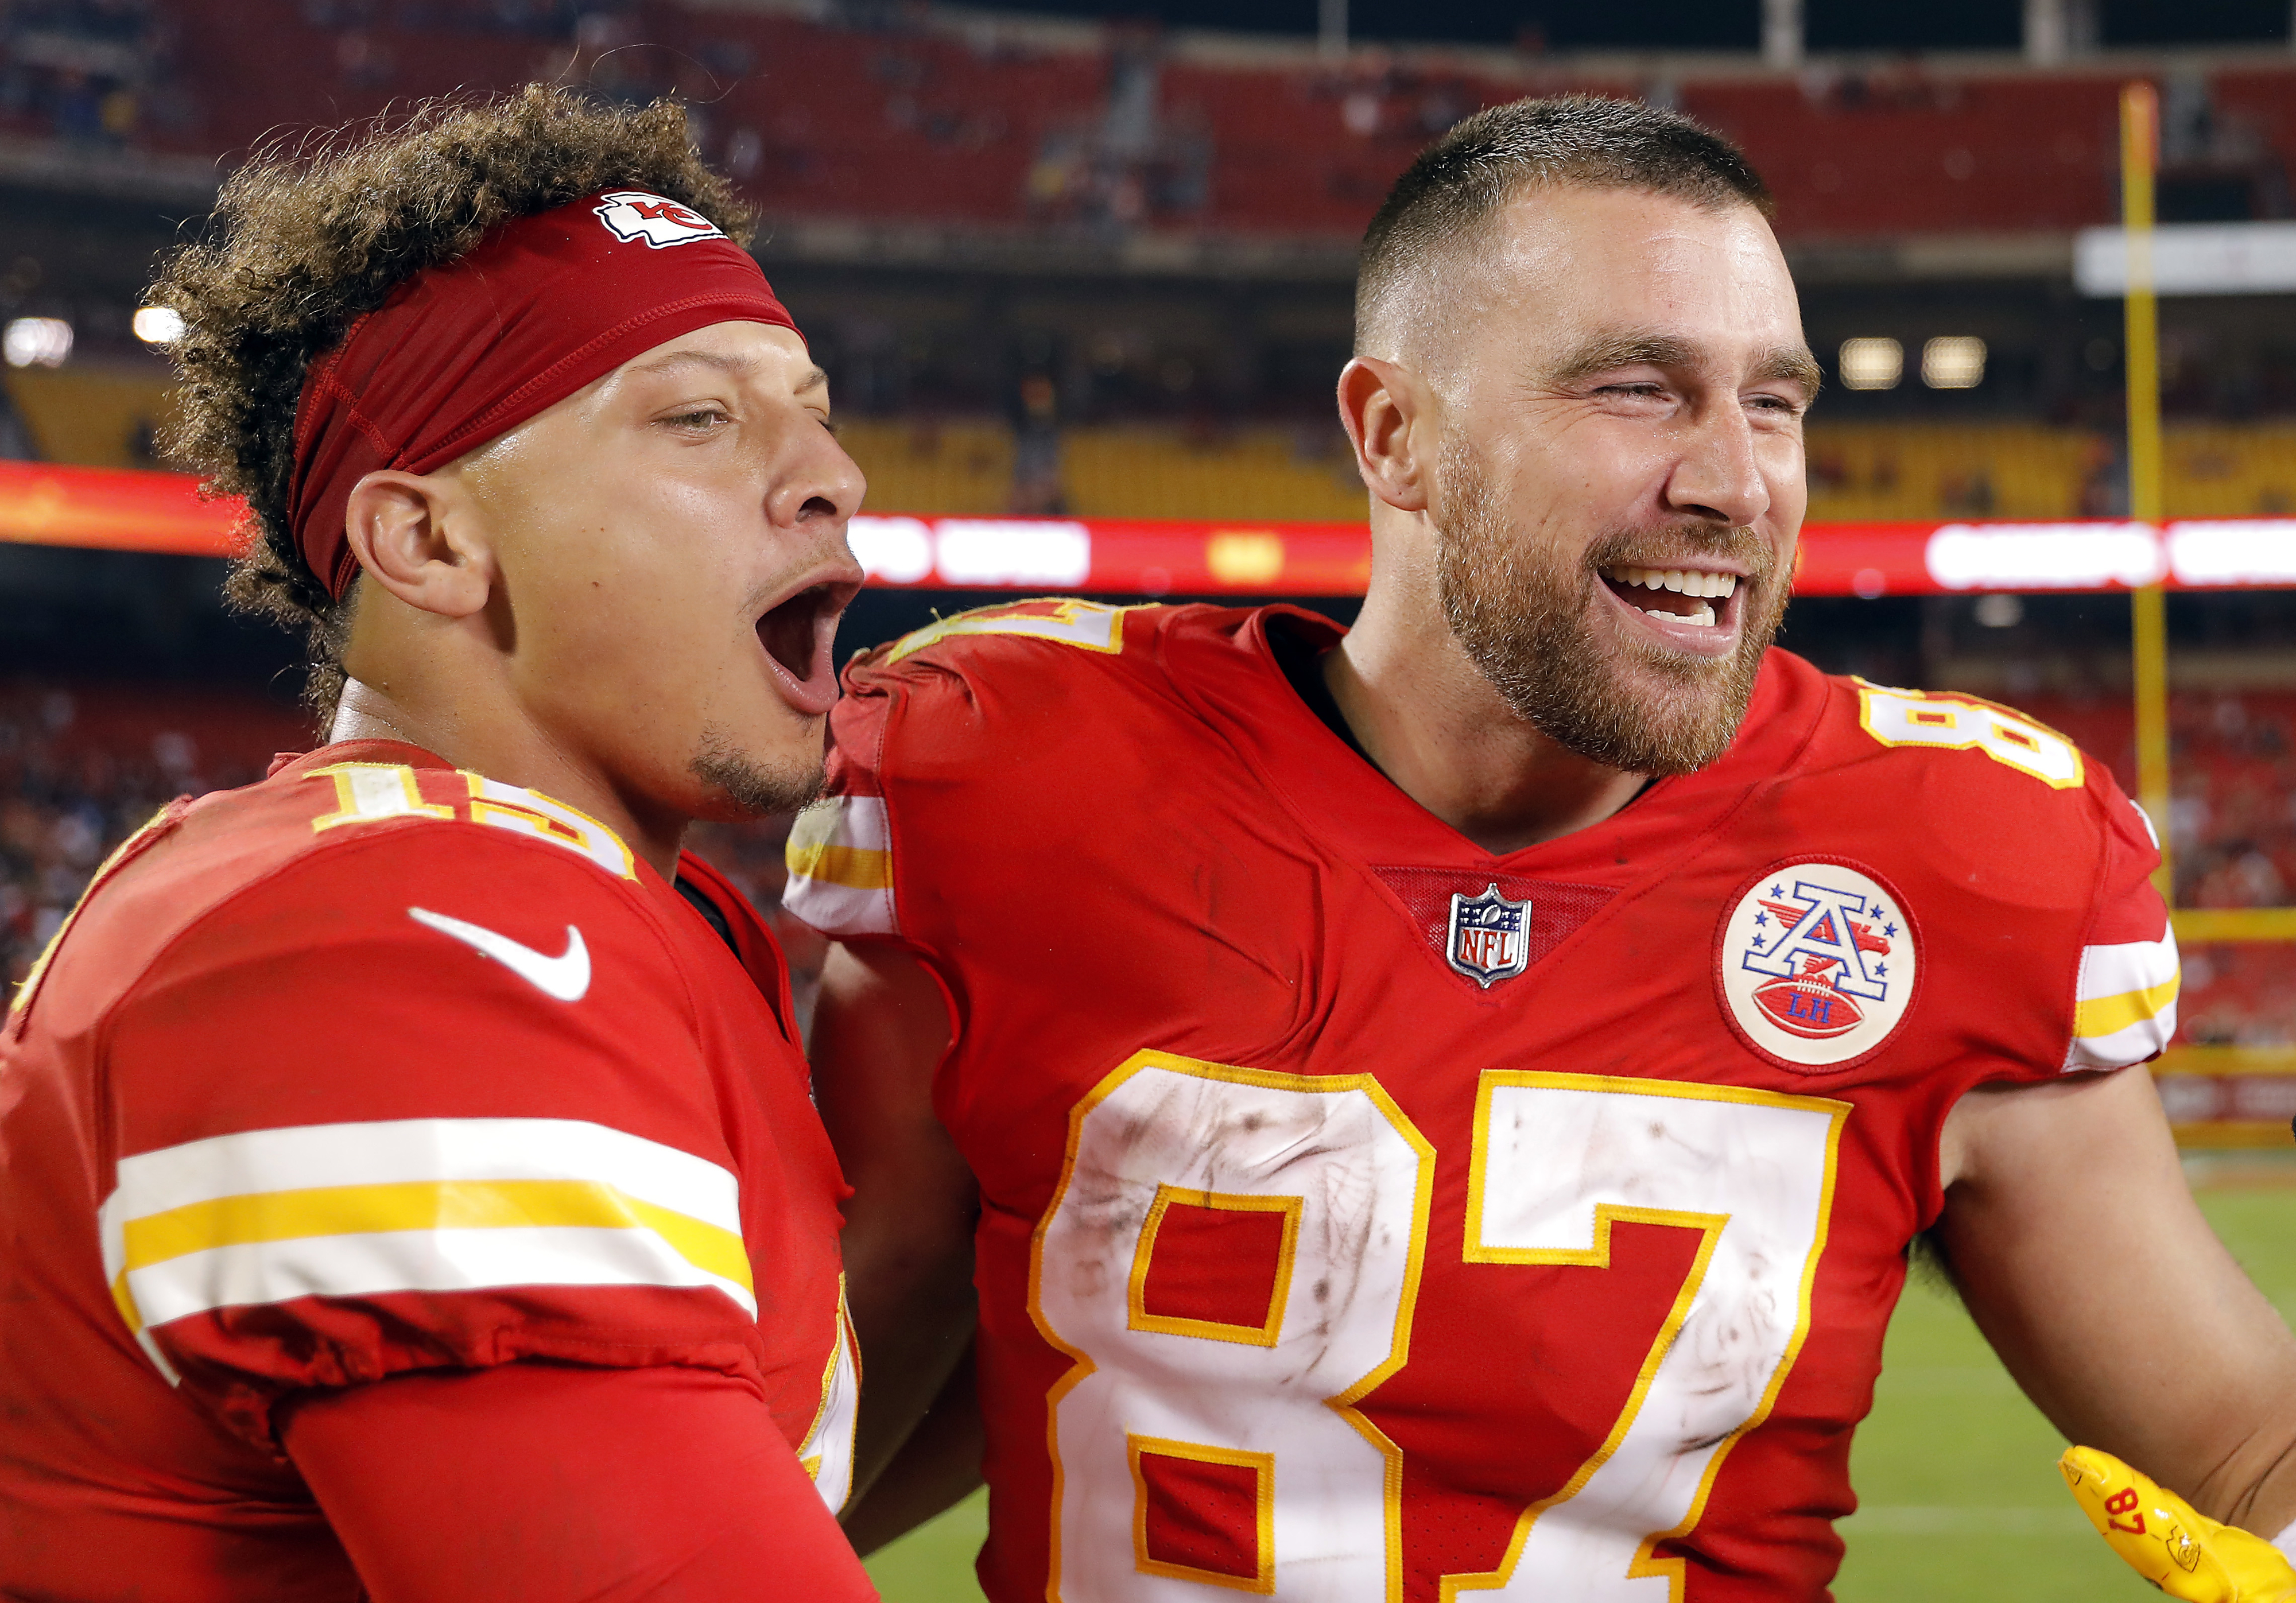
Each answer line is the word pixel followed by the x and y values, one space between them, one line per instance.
pixel 502 743
pixel 1424 713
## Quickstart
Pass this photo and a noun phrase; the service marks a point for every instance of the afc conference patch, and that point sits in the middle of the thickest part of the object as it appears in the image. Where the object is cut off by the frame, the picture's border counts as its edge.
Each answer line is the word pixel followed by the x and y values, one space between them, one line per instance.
pixel 631 215
pixel 1816 962
pixel 1488 938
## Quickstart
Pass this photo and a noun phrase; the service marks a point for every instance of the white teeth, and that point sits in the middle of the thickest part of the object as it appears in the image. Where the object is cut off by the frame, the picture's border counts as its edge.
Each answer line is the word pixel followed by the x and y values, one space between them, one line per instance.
pixel 1685 581
pixel 1703 617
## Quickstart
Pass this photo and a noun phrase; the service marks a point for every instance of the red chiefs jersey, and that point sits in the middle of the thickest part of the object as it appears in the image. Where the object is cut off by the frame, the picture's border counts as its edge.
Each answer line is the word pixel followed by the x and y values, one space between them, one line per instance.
pixel 377 1066
pixel 1369 1216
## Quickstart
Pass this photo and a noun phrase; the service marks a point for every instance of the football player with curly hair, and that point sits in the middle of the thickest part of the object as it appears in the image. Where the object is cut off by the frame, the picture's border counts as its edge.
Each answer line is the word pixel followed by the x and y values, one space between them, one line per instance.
pixel 410 1183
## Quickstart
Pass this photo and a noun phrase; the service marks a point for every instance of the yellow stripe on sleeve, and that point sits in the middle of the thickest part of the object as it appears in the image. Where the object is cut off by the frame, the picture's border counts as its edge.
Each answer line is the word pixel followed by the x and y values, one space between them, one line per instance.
pixel 427 1205
pixel 825 862
pixel 2108 1015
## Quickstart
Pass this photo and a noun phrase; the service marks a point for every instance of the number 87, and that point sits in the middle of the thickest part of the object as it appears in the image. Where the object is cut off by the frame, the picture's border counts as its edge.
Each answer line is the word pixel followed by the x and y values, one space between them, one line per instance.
pixel 1263 1415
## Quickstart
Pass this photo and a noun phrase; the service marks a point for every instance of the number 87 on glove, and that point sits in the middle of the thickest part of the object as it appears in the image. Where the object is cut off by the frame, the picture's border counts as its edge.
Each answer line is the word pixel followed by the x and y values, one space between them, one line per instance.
pixel 2165 1539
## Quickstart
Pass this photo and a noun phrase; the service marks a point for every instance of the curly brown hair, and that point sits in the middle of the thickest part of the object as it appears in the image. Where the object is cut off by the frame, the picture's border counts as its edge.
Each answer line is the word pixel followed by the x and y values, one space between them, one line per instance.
pixel 306 240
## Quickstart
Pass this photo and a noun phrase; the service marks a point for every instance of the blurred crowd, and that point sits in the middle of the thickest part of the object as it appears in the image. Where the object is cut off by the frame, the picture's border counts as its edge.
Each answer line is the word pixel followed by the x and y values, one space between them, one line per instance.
pixel 82 767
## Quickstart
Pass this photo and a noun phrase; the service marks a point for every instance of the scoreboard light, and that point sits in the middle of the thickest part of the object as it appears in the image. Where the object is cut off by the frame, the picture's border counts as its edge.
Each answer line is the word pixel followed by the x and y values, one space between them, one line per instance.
pixel 2045 556
pixel 45 503
pixel 36 342
pixel 1873 363
pixel 1954 362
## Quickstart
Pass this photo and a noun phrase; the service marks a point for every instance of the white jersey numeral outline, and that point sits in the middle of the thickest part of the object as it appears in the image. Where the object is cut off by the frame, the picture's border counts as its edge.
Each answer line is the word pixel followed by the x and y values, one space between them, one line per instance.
pixel 1558 1159
pixel 1357 1167
pixel 1752 1172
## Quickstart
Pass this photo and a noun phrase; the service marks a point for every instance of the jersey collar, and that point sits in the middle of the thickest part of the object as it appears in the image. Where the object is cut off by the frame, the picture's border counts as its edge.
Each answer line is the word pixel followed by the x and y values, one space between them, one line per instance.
pixel 1233 678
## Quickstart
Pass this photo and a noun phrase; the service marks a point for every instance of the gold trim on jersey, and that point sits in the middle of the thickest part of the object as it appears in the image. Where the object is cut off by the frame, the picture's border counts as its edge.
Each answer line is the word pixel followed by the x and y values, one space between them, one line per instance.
pixel 1344 1403
pixel 1088 625
pixel 372 792
pixel 1709 1227
pixel 440 1205
pixel 379 792
pixel 854 867
pixel 1948 722
pixel 1262 1335
pixel 2109 1015
pixel 1263 1468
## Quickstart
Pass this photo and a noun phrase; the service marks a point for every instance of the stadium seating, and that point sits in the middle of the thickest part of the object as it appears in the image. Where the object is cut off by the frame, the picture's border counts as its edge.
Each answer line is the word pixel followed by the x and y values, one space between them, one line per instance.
pixel 1254 473
pixel 2229 471
pixel 922 465
pixel 99 417
pixel 1882 471
pixel 892 113
pixel 94 417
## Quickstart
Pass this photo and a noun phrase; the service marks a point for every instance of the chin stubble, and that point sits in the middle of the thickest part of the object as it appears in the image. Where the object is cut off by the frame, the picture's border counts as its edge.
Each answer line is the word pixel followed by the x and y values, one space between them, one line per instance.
pixel 749 788
pixel 1522 616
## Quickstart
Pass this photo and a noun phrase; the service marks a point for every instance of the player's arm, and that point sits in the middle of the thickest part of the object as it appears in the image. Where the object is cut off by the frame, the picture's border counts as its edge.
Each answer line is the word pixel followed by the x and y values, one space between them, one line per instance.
pixel 2082 1255
pixel 450 1220
pixel 534 1482
pixel 880 1030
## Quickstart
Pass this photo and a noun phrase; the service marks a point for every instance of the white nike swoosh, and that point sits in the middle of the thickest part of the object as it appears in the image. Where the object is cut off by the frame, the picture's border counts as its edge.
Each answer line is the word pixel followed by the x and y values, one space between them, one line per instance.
pixel 566 976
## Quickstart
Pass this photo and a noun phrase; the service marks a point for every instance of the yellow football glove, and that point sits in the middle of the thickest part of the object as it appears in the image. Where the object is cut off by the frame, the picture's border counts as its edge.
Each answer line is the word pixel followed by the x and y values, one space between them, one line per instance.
pixel 2159 1534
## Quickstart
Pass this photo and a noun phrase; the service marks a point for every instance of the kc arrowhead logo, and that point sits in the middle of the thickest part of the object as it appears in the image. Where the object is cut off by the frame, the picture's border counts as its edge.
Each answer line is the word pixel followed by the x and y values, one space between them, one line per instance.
pixel 631 215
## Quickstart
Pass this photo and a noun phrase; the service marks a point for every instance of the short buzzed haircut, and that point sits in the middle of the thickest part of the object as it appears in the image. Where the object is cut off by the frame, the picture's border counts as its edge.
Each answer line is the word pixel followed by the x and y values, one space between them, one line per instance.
pixel 1447 197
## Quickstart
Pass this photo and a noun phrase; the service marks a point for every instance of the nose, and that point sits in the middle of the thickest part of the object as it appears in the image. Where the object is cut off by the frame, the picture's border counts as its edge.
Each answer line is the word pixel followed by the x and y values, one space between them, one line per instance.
pixel 1719 477
pixel 816 480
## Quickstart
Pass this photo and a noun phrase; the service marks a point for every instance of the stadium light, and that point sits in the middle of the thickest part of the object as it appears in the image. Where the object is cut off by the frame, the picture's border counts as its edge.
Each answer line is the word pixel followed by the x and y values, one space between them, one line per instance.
pixel 36 342
pixel 1872 363
pixel 158 325
pixel 1954 362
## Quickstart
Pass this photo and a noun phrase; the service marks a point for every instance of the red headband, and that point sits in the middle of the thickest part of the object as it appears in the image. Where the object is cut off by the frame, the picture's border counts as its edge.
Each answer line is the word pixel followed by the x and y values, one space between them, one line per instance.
pixel 464 352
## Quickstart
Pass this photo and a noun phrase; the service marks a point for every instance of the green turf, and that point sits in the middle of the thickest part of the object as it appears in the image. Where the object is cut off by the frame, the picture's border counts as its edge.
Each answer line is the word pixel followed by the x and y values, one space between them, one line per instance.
pixel 1955 1471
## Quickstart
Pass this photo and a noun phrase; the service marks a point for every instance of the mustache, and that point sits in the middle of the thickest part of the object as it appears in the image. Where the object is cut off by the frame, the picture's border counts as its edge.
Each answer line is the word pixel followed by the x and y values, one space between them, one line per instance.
pixel 1668 546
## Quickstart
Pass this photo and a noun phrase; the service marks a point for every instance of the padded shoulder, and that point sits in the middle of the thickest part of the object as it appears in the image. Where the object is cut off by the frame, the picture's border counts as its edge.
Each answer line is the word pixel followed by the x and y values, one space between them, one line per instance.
pixel 2021 816
pixel 988 635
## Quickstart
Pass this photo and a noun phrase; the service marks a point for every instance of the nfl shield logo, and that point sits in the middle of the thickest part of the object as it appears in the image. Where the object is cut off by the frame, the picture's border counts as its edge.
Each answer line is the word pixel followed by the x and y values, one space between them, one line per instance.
pixel 1489 937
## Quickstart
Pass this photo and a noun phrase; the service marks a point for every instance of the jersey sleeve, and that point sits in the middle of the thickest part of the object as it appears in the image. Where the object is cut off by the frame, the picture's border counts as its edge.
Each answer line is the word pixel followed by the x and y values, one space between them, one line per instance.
pixel 2124 1000
pixel 429 1483
pixel 426 1100
pixel 840 855
pixel 914 730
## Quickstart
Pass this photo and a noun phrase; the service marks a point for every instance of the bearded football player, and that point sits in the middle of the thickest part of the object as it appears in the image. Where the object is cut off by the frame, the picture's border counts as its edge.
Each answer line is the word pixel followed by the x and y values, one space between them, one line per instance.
pixel 1443 1106
pixel 410 1185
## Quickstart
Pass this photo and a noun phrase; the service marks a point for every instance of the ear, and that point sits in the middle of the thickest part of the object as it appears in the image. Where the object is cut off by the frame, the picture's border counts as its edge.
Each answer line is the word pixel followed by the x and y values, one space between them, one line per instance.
pixel 1380 402
pixel 418 539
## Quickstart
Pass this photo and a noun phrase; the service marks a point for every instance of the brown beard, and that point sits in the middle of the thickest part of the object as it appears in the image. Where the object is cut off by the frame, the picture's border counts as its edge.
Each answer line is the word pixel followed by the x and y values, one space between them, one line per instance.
pixel 742 787
pixel 1522 614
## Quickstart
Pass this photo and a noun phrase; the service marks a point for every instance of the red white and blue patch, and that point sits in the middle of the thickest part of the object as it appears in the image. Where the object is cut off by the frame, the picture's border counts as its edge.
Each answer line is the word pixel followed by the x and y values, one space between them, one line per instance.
pixel 1817 964
pixel 1487 938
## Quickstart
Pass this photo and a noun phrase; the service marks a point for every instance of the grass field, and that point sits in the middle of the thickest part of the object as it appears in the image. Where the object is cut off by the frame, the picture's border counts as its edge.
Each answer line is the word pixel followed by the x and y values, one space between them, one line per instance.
pixel 1956 1472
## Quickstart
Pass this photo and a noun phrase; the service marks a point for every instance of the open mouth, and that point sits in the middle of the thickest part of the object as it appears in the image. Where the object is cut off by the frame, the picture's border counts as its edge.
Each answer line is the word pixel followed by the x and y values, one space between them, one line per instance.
pixel 797 635
pixel 1679 598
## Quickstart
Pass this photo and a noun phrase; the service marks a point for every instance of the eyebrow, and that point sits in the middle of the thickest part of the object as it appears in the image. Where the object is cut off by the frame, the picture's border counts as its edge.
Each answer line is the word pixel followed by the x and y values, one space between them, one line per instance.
pixel 739 367
pixel 1608 351
pixel 1793 364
